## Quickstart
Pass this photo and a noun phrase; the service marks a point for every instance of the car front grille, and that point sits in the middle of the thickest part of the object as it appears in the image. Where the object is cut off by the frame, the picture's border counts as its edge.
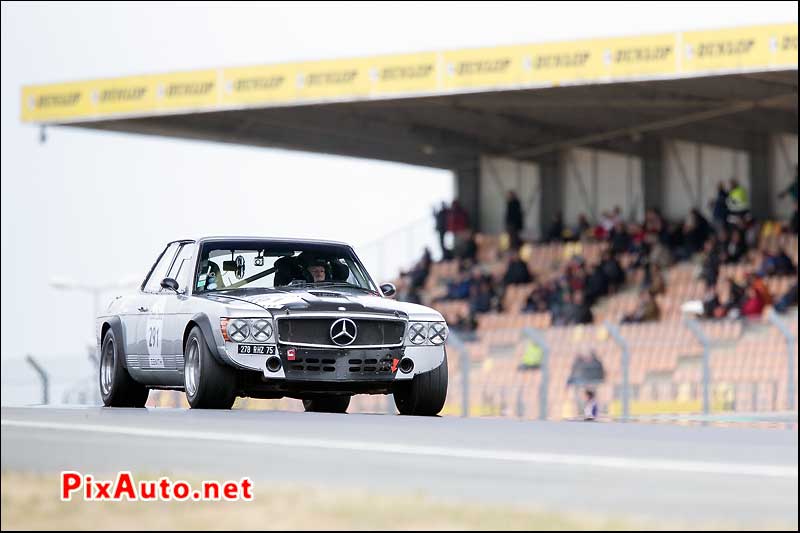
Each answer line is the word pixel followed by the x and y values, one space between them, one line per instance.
pixel 329 365
pixel 317 331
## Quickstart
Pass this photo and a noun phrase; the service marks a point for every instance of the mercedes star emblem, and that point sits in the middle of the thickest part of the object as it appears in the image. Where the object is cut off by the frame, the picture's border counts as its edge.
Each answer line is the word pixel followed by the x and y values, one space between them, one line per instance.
pixel 343 332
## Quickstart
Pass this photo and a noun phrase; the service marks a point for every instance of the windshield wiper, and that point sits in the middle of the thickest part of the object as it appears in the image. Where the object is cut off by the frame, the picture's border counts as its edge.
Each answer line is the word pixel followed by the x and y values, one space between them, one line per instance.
pixel 341 284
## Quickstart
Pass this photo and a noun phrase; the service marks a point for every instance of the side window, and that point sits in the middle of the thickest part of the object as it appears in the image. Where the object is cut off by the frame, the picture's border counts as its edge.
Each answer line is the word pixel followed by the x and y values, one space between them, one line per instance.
pixel 160 271
pixel 181 270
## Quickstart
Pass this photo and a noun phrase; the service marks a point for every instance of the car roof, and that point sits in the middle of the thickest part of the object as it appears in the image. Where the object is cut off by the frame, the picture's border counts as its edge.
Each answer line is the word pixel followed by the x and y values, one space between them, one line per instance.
pixel 280 240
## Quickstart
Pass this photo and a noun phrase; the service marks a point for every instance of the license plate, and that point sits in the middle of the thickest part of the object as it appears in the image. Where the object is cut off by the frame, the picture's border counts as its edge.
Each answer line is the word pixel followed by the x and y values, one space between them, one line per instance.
pixel 256 349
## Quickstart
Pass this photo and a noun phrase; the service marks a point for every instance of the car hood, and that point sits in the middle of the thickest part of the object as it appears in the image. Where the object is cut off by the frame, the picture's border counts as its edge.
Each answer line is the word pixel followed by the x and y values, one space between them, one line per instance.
pixel 280 303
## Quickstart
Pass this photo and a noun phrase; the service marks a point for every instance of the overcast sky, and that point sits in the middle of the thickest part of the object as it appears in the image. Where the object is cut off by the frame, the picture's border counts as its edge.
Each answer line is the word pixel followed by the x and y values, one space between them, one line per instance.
pixel 97 207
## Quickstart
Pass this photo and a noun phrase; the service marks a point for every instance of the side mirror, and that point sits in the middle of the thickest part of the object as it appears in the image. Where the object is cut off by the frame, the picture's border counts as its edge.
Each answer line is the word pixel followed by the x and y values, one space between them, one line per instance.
pixel 169 283
pixel 388 289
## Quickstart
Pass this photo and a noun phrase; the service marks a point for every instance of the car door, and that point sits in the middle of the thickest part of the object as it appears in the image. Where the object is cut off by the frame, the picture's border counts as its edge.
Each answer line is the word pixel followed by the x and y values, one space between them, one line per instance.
pixel 151 311
pixel 177 307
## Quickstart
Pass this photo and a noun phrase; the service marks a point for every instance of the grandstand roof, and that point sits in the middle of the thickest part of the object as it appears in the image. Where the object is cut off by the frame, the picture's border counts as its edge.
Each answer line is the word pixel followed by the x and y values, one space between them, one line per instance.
pixel 442 108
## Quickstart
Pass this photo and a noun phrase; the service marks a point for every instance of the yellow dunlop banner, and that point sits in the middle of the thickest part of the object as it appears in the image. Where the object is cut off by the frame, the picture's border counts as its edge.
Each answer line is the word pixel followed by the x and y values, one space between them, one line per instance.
pixel 249 85
pixel 56 101
pixel 782 41
pixel 123 95
pixel 482 68
pixel 638 56
pixel 725 50
pixel 187 90
pixel 557 63
pixel 550 64
pixel 399 74
pixel 332 79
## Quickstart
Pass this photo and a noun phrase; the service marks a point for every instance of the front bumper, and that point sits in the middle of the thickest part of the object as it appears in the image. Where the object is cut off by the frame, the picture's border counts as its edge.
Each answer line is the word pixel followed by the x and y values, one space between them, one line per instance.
pixel 335 365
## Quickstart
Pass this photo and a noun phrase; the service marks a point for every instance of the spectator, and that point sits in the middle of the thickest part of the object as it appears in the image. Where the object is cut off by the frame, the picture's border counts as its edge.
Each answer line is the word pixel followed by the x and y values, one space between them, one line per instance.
pixel 756 282
pixel 735 248
pixel 441 216
pixel 659 253
pixel 709 272
pixel 612 269
pixel 604 227
pixel 738 203
pixel 788 299
pixel 514 219
pixel 596 284
pixel 620 239
pixel 775 262
pixel 590 409
pixel 753 305
pixel 481 296
pixel 459 288
pixel 583 227
pixel 647 310
pixel 555 233
pixel 538 300
pixel 586 370
pixel 654 280
pixel 468 249
pixel 419 273
pixel 531 357
pixel 457 218
pixel 719 207
pixel 577 311
pixel 736 295
pixel 517 271
pixel 654 224
pixel 711 303
pixel 696 231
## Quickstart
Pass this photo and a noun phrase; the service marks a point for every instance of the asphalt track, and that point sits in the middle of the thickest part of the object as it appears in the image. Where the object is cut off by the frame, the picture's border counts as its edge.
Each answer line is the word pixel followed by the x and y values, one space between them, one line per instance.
pixel 738 476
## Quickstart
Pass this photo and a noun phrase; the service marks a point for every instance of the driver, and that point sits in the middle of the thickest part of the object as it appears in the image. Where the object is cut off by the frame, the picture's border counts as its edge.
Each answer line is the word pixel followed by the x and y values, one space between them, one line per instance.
pixel 317 268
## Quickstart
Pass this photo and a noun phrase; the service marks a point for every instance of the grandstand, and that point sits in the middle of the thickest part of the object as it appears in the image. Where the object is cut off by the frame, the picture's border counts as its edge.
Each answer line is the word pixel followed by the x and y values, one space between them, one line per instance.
pixel 576 128
pixel 748 363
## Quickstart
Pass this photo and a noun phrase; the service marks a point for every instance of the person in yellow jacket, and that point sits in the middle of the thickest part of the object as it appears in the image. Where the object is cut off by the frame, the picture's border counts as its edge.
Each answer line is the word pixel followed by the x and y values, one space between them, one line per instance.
pixel 738 202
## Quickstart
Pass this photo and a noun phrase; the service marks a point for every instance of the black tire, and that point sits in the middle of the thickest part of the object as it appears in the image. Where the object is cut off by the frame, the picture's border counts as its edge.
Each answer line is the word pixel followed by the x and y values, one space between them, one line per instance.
pixel 327 404
pixel 214 384
pixel 117 387
pixel 425 394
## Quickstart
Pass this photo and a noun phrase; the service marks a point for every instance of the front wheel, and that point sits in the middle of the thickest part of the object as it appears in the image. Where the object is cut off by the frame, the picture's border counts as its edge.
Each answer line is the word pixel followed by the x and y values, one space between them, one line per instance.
pixel 208 383
pixel 327 404
pixel 425 394
pixel 117 387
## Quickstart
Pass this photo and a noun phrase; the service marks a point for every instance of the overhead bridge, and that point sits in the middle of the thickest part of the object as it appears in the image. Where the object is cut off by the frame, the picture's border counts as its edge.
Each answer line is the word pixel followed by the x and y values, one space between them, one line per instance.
pixel 576 126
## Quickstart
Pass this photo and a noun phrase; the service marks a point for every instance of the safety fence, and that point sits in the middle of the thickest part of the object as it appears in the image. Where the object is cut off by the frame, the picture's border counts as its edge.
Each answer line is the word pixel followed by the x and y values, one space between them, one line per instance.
pixel 635 371
pixel 632 370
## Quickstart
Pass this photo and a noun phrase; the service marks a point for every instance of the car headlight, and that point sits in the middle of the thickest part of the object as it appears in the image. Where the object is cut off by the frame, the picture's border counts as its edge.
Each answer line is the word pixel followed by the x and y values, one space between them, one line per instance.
pixel 261 330
pixel 238 330
pixel 437 333
pixel 416 333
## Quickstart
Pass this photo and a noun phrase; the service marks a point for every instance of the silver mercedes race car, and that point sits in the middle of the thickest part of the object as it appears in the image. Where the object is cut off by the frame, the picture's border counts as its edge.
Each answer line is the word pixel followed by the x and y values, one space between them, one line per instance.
pixel 221 317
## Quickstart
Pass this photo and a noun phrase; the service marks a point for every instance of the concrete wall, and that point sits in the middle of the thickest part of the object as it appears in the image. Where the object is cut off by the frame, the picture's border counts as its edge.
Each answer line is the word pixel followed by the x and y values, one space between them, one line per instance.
pixel 691 172
pixel 596 181
pixel 499 175
pixel 783 161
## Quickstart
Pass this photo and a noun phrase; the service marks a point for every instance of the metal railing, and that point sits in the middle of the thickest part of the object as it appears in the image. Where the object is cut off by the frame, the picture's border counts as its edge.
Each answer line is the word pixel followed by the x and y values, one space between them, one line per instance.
pixel 689 368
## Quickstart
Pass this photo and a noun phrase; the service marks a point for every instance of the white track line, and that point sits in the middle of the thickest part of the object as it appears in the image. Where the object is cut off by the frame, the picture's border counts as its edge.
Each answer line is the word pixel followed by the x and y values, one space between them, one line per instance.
pixel 626 463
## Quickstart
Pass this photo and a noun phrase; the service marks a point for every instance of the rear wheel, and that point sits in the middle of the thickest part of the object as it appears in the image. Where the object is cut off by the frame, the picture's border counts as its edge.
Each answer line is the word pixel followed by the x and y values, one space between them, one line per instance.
pixel 208 383
pixel 327 404
pixel 425 394
pixel 117 387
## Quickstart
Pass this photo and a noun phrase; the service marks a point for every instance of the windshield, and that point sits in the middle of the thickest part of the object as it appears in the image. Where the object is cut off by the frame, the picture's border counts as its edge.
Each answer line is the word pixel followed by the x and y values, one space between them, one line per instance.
pixel 263 265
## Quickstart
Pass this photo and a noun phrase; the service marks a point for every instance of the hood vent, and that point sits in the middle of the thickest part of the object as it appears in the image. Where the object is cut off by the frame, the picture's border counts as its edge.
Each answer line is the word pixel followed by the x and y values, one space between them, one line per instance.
pixel 326 294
